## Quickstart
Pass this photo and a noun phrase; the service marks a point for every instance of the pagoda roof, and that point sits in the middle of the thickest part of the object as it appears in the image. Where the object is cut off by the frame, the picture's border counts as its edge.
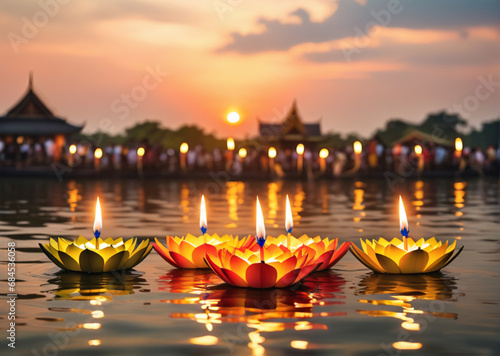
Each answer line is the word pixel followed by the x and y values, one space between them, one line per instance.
pixel 292 126
pixel 31 117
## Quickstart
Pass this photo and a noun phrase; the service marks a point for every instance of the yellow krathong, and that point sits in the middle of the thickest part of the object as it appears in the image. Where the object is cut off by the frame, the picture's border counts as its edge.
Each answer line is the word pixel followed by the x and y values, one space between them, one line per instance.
pixel 96 255
pixel 422 256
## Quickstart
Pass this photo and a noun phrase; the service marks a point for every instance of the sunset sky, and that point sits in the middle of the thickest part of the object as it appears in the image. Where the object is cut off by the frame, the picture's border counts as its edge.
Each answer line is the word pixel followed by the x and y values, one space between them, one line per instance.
pixel 254 57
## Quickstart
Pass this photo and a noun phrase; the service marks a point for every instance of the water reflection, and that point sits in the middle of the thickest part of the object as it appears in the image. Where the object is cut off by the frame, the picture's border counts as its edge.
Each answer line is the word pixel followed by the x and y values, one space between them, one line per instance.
pixel 399 291
pixel 257 309
pixel 95 287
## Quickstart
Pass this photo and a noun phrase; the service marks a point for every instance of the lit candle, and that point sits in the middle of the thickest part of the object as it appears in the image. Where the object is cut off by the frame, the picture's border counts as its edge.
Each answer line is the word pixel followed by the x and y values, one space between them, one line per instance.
pixel 203 218
pixel 97 229
pixel 183 149
pixel 403 223
pixel 261 230
pixel 97 158
pixel 300 158
pixel 71 158
pixel 323 155
pixel 458 146
pixel 288 222
pixel 272 154
pixel 140 153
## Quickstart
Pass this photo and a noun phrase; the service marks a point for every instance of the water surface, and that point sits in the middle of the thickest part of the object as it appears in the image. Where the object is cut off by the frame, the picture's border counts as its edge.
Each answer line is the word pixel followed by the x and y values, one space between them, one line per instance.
pixel 157 310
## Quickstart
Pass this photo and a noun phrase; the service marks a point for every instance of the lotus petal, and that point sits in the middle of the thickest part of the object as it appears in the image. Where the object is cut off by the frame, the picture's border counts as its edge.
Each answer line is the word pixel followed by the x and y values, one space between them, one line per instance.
pixel 414 262
pixel 388 265
pixel 261 275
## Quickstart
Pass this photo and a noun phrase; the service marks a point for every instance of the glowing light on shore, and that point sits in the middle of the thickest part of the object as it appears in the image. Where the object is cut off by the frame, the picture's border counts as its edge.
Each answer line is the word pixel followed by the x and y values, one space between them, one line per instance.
pixel 242 152
pixel 72 149
pixel 300 149
pixel 98 153
pixel 459 145
pixel 271 152
pixel 358 147
pixel 230 144
pixel 184 147
pixel 418 149
pixel 141 151
pixel 324 153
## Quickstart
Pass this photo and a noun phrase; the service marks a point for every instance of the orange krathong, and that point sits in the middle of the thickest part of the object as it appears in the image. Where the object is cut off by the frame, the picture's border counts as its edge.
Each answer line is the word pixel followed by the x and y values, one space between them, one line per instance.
pixel 190 251
pixel 279 267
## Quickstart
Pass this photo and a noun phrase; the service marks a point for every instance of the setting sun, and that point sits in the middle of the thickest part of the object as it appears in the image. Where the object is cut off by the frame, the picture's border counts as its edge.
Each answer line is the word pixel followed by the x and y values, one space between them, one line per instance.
pixel 233 117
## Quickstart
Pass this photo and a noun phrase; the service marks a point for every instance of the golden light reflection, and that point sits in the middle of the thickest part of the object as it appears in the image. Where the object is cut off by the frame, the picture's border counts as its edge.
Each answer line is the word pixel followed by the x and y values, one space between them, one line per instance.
pixel 94 342
pixel 405 345
pixel 184 198
pixel 272 202
pixel 73 197
pixel 234 191
pixel 95 288
pixel 204 340
pixel 299 344
pixel 459 194
pixel 259 309
pixel 90 326
pixel 400 292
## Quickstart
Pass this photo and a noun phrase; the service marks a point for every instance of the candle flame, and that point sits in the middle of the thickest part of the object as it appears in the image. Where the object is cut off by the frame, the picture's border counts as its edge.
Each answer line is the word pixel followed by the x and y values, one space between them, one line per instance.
pixel 98 153
pixel 184 147
pixel 242 152
pixel 289 218
pixel 203 215
pixel 324 153
pixel 403 221
pixel 271 152
pixel 261 229
pixel 230 144
pixel 98 219
pixel 358 147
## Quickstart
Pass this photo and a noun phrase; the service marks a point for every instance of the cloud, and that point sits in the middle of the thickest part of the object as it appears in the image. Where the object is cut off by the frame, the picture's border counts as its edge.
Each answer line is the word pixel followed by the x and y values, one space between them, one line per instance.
pixel 459 52
pixel 351 16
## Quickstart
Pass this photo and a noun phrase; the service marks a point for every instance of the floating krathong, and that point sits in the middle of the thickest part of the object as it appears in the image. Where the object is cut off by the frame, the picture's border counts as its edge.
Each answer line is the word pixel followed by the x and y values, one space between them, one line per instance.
pixel 190 251
pixel 259 267
pixel 96 255
pixel 405 256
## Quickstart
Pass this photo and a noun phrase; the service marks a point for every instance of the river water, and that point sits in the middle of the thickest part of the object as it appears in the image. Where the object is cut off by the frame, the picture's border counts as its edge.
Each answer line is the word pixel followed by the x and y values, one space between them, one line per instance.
pixel 158 310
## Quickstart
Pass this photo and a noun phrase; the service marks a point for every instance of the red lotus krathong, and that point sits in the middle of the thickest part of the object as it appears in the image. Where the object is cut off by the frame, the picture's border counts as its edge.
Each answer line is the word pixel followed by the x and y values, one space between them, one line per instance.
pixel 190 251
pixel 314 245
pixel 264 267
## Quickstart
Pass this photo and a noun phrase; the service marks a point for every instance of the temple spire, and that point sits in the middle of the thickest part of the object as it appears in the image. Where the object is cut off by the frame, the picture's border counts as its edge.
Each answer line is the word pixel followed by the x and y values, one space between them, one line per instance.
pixel 30 83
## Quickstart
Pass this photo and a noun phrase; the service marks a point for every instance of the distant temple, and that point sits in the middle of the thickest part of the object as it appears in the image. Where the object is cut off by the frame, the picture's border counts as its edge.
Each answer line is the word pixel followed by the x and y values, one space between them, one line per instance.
pixel 291 131
pixel 31 122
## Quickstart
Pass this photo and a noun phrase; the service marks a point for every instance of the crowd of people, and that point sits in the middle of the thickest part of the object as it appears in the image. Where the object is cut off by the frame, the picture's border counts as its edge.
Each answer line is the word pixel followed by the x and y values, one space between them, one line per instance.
pixel 280 162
